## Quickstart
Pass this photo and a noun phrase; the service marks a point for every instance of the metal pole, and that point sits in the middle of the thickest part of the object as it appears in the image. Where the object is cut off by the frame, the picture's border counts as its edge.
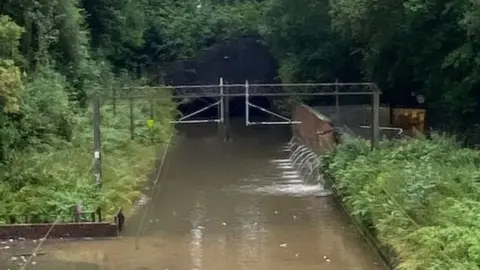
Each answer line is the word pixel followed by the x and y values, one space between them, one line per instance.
pixel 226 114
pixel 132 122
pixel 97 148
pixel 221 107
pixel 376 119
pixel 152 116
pixel 247 104
pixel 114 100
pixel 337 102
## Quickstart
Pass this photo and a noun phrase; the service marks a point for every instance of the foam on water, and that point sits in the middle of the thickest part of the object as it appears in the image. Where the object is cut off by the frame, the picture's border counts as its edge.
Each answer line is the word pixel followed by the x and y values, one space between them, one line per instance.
pixel 285 167
pixel 296 189
pixel 291 178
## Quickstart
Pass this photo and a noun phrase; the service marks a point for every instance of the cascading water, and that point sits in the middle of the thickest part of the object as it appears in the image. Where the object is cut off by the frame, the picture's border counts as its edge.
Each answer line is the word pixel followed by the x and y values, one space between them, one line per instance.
pixel 297 174
pixel 304 162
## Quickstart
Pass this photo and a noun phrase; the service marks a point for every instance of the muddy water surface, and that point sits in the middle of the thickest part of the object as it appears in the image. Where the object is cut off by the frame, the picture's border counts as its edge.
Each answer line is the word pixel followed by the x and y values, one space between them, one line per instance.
pixel 220 207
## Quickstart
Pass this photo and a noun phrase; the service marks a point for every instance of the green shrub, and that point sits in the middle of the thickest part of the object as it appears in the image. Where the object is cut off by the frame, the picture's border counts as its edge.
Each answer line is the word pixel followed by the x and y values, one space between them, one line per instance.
pixel 419 196
pixel 49 166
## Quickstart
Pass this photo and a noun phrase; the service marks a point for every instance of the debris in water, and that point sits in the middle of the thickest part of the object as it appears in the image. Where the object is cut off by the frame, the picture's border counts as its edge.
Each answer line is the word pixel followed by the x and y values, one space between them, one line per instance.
pixel 150 220
pixel 33 263
pixel 13 258
pixel 157 220
pixel 224 224
pixel 174 213
pixel 327 260
pixel 296 255
pixel 6 247
pixel 200 227
pixel 276 212
pixel 283 245
pixel 294 217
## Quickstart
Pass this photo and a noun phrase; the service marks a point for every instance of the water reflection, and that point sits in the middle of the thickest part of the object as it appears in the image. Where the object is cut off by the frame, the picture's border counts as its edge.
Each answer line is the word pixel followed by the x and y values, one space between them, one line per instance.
pixel 196 235
pixel 251 233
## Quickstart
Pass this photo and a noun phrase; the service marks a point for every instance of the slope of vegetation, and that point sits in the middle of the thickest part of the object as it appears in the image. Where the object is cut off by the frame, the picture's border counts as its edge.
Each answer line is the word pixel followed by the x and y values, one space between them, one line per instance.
pixel 419 197
pixel 46 76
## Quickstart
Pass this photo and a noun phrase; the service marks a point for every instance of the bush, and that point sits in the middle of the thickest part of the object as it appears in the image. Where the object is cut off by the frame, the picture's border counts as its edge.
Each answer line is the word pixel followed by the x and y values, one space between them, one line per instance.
pixel 49 163
pixel 420 197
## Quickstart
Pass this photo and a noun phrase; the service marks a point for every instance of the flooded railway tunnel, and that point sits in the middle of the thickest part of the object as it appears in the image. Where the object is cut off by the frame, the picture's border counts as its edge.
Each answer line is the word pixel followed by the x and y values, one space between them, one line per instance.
pixel 224 206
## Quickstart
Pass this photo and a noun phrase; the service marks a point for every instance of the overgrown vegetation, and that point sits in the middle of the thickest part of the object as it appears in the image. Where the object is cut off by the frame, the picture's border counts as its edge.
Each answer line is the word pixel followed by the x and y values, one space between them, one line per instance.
pixel 46 119
pixel 419 197
pixel 55 54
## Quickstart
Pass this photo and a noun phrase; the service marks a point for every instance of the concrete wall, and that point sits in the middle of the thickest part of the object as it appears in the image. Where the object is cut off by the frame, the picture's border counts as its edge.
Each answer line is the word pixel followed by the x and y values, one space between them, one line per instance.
pixel 315 131
pixel 62 230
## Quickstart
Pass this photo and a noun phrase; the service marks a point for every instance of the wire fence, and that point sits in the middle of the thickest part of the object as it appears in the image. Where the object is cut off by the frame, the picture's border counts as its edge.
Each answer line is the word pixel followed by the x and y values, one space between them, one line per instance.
pixel 357 120
pixel 241 90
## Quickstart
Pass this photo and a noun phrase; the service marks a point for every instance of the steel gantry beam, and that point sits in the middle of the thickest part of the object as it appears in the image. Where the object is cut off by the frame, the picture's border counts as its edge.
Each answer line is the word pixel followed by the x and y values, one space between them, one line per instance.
pixel 223 92
pixel 248 105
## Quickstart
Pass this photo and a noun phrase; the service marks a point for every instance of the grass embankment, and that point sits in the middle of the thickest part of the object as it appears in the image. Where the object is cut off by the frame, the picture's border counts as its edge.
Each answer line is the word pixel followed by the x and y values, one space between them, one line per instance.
pixel 419 197
pixel 51 173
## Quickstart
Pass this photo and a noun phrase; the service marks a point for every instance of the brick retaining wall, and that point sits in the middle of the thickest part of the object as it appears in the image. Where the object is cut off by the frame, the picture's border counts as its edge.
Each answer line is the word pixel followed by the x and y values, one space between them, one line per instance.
pixel 61 230
pixel 315 130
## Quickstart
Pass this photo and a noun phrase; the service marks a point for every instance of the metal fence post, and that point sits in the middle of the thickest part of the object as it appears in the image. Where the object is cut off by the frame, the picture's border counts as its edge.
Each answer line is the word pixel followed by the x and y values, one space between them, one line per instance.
pixel 247 104
pixel 114 100
pixel 153 101
pixel 376 119
pixel 225 114
pixel 337 101
pixel 132 122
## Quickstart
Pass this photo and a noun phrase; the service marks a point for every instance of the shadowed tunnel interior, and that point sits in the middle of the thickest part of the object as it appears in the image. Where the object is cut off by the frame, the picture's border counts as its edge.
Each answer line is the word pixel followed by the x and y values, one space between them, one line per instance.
pixel 235 61
pixel 236 107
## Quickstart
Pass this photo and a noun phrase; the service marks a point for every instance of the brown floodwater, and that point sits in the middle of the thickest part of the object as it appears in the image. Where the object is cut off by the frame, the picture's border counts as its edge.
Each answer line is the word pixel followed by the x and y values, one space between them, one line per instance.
pixel 219 207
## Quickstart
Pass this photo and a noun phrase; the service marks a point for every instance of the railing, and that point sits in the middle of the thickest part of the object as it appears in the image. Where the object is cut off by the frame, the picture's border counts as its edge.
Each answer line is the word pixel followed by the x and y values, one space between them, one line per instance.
pixel 73 216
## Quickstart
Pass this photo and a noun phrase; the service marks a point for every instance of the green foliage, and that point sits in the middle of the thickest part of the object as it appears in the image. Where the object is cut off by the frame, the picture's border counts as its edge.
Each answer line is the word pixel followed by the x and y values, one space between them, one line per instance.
pixel 10 34
pixel 50 165
pixel 10 86
pixel 46 137
pixel 421 196
pixel 428 47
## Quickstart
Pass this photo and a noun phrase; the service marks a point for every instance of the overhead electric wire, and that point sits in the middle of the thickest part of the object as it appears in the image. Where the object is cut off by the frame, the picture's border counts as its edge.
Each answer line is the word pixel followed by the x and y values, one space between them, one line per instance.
pixel 155 191
pixel 34 253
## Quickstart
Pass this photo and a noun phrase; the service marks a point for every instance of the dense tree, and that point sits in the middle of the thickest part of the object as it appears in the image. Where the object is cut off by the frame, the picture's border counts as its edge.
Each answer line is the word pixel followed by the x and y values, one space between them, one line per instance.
pixel 417 46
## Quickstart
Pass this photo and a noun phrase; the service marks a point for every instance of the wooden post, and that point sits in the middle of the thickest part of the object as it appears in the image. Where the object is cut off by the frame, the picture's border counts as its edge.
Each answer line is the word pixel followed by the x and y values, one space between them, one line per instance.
pixel 97 143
